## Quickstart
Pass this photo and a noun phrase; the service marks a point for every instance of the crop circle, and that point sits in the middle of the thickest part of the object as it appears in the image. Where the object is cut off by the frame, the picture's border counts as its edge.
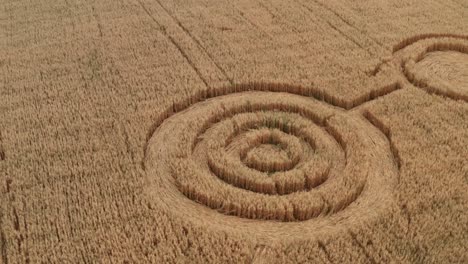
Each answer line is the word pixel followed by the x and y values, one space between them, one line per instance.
pixel 253 160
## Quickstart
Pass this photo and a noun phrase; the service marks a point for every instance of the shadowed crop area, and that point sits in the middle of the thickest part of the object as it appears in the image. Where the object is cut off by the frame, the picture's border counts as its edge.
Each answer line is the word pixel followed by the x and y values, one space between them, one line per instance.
pixel 155 131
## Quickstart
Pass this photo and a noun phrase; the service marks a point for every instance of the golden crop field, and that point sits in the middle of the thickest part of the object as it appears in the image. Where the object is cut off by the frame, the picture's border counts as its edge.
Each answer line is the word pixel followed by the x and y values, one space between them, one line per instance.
pixel 244 131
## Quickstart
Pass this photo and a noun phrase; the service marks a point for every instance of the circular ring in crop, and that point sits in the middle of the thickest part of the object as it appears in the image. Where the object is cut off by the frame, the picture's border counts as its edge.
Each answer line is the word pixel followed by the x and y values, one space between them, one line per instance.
pixel 269 162
pixel 437 64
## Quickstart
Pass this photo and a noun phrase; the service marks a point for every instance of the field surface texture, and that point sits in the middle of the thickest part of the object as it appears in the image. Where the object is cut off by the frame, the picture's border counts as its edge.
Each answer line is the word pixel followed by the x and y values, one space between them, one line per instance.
pixel 244 131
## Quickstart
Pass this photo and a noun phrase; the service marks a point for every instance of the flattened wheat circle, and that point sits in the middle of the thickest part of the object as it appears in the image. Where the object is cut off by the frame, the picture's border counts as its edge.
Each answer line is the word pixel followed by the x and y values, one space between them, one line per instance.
pixel 336 169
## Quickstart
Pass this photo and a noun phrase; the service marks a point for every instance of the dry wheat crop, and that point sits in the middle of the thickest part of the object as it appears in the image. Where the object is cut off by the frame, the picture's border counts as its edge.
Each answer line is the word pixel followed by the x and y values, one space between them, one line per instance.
pixel 245 131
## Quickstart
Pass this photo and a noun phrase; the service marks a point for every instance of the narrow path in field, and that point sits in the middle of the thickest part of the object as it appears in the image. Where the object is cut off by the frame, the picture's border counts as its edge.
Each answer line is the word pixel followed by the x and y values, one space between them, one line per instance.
pixel 330 23
pixel 194 39
pixel 174 42
pixel 349 22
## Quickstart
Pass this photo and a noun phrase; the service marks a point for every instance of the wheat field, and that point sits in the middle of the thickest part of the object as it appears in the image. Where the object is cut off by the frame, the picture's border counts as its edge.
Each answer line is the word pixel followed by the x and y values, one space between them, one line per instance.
pixel 202 131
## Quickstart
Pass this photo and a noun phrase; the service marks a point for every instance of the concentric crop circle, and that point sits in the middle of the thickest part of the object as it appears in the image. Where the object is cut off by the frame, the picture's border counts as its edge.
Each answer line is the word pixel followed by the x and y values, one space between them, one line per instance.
pixel 269 162
pixel 304 166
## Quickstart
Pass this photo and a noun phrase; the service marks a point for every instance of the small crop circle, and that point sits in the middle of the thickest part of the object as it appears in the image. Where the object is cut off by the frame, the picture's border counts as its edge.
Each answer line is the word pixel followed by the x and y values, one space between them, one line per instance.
pixel 438 65
pixel 444 71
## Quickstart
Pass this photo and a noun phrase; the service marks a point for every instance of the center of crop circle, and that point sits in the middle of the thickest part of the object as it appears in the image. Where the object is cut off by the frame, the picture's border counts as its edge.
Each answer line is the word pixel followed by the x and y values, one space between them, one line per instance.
pixel 268 157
